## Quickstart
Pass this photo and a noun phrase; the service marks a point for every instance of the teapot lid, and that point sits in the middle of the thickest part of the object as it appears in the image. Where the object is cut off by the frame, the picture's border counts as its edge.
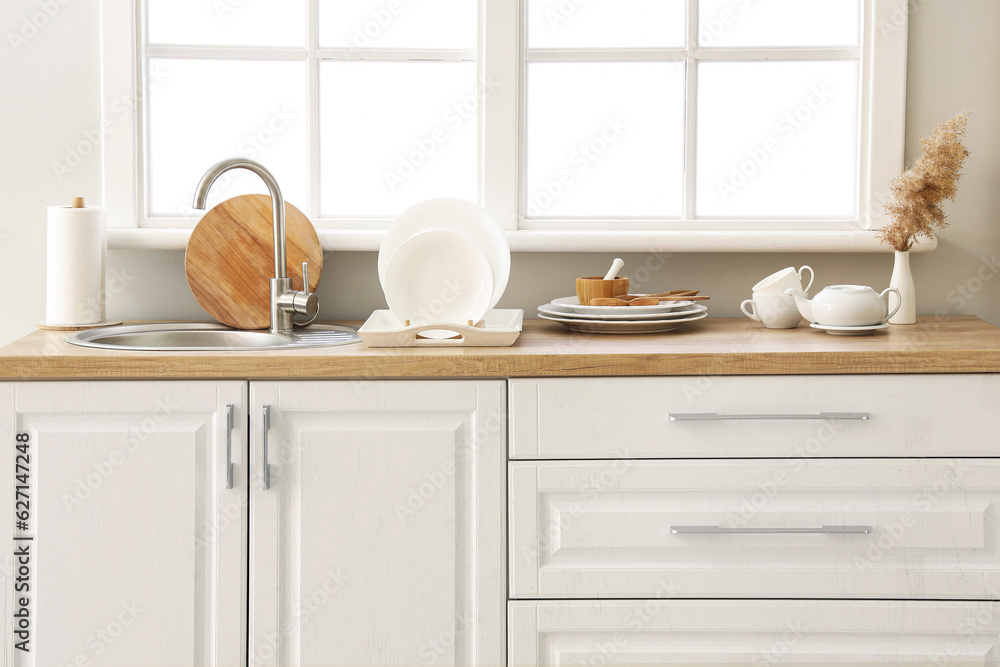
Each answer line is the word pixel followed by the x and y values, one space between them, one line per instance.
pixel 849 289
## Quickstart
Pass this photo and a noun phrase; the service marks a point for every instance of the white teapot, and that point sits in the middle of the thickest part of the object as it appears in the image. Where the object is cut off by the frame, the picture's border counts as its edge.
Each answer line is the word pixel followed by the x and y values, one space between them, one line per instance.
pixel 846 306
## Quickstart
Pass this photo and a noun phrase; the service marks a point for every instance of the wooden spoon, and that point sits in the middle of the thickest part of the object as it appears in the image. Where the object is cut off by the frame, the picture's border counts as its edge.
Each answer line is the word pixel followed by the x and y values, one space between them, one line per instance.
pixel 661 295
pixel 623 302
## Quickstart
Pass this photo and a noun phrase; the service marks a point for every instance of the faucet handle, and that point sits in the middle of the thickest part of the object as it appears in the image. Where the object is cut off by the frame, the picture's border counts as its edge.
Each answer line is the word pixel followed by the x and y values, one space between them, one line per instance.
pixel 305 302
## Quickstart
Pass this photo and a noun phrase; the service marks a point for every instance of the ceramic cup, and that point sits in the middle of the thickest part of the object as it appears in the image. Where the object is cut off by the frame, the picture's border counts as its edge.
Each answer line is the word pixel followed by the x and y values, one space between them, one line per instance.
pixel 774 311
pixel 596 287
pixel 789 278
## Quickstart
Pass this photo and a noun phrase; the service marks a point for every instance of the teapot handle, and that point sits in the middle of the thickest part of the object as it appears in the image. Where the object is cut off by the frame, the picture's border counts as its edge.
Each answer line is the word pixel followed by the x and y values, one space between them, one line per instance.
pixel 885 299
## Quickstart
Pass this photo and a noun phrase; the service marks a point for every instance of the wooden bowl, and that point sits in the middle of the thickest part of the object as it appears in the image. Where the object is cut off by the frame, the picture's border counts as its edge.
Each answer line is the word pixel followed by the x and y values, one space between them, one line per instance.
pixel 596 287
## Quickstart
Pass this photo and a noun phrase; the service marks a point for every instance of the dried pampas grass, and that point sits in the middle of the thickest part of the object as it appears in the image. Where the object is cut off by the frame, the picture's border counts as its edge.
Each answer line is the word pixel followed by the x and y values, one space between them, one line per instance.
pixel 917 194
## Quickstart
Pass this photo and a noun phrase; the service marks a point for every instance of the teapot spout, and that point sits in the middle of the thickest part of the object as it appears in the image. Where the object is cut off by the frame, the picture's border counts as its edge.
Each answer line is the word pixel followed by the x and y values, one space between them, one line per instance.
pixel 802 303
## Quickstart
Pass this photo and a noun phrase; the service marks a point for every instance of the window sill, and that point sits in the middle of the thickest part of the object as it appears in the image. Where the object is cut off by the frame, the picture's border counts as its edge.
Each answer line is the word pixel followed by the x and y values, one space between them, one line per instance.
pixel 580 241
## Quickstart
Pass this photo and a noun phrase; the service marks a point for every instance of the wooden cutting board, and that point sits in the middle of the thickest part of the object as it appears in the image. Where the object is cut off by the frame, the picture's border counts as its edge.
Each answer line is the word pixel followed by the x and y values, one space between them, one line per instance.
pixel 230 259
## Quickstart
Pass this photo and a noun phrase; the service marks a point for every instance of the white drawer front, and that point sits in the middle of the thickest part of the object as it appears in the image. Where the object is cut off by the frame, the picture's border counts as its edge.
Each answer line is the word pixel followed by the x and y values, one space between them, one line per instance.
pixel 765 416
pixel 639 529
pixel 736 634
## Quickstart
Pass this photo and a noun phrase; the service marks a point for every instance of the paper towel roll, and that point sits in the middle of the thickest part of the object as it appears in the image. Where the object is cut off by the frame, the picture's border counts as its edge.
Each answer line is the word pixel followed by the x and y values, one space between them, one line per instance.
pixel 76 244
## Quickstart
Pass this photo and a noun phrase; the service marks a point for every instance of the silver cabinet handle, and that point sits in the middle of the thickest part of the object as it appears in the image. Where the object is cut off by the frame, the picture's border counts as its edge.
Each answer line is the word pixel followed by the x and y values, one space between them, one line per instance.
pixel 229 445
pixel 822 530
pixel 714 416
pixel 266 468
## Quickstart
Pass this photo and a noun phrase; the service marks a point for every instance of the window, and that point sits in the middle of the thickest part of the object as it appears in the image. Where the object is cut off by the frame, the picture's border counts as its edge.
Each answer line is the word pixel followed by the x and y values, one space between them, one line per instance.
pixel 580 124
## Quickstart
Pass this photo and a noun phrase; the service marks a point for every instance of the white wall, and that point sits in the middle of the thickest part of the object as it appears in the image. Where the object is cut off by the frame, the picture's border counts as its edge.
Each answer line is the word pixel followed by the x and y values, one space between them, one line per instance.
pixel 52 86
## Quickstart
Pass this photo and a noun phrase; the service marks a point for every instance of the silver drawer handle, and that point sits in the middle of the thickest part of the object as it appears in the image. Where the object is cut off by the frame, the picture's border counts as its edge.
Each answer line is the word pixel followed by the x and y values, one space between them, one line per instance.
pixel 714 416
pixel 823 530
pixel 229 445
pixel 266 467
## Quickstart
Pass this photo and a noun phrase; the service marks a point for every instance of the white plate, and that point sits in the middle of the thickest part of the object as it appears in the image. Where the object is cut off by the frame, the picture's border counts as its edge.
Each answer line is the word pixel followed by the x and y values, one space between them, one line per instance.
pixel 622 313
pixel 438 276
pixel 638 327
pixel 850 331
pixel 457 214
pixel 573 304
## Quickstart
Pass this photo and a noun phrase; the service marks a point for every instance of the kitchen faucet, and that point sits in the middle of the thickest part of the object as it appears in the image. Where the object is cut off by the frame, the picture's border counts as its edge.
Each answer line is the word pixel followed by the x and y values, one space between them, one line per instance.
pixel 285 302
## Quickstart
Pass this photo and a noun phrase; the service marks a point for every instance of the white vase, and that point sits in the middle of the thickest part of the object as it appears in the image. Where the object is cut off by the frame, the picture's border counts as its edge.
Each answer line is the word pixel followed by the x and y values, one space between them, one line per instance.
pixel 902 280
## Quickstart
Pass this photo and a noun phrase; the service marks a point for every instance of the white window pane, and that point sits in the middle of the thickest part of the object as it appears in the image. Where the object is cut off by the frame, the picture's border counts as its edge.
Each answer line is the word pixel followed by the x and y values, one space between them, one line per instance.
pixel 227 22
pixel 779 22
pixel 203 111
pixel 605 139
pixel 396 133
pixel 605 23
pixel 777 139
pixel 360 24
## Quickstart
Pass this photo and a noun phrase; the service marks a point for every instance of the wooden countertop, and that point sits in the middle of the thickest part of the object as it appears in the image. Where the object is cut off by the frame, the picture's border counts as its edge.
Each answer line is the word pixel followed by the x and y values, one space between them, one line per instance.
pixel 959 344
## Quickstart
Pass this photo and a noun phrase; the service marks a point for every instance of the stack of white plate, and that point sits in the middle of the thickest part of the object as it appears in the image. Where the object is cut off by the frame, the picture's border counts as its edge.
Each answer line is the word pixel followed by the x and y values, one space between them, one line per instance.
pixel 621 319
pixel 443 261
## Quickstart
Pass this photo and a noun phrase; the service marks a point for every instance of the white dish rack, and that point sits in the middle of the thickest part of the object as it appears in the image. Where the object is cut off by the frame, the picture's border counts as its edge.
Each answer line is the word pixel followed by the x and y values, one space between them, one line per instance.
pixel 499 328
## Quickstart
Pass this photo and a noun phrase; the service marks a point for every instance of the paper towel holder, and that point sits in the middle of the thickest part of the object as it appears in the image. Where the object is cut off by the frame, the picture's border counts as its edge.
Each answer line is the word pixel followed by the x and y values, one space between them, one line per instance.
pixel 78 202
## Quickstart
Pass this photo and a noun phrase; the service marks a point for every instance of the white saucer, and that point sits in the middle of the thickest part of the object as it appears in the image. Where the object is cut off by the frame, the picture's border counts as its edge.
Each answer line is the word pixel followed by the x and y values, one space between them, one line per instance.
pixel 624 312
pixel 622 327
pixel 850 331
pixel 571 303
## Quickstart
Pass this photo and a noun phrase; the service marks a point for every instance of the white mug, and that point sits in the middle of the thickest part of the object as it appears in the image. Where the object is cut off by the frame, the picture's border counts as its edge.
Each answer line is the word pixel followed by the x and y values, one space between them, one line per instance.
pixel 789 278
pixel 774 311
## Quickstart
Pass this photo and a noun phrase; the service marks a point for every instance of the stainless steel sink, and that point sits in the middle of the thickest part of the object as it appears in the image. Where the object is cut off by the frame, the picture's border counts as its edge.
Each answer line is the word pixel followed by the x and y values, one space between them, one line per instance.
pixel 190 337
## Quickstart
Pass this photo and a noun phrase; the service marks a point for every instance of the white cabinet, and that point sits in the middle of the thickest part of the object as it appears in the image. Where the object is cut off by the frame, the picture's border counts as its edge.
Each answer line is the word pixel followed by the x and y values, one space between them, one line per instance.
pixel 752 528
pixel 752 520
pixel 776 416
pixel 132 551
pixel 380 539
pixel 735 633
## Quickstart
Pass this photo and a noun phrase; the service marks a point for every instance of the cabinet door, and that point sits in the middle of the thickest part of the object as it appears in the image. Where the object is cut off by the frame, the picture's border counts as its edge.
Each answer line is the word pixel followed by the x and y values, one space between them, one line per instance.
pixel 130 548
pixel 381 537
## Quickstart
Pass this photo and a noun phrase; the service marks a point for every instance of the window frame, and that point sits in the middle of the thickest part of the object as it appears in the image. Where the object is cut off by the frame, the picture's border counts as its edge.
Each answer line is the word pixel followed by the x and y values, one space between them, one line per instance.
pixel 501 60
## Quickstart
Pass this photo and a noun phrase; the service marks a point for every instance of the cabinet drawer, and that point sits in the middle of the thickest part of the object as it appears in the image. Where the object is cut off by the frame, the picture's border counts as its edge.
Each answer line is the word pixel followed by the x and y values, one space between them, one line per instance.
pixel 861 529
pixel 759 416
pixel 738 633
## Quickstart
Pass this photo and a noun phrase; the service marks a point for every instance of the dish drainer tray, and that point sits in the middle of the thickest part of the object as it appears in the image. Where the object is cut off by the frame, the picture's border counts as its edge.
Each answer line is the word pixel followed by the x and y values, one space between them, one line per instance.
pixel 499 328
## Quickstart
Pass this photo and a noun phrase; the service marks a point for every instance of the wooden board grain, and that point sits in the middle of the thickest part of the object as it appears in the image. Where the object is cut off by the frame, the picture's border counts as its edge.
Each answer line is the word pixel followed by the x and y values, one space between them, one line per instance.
pixel 230 259
pixel 953 344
